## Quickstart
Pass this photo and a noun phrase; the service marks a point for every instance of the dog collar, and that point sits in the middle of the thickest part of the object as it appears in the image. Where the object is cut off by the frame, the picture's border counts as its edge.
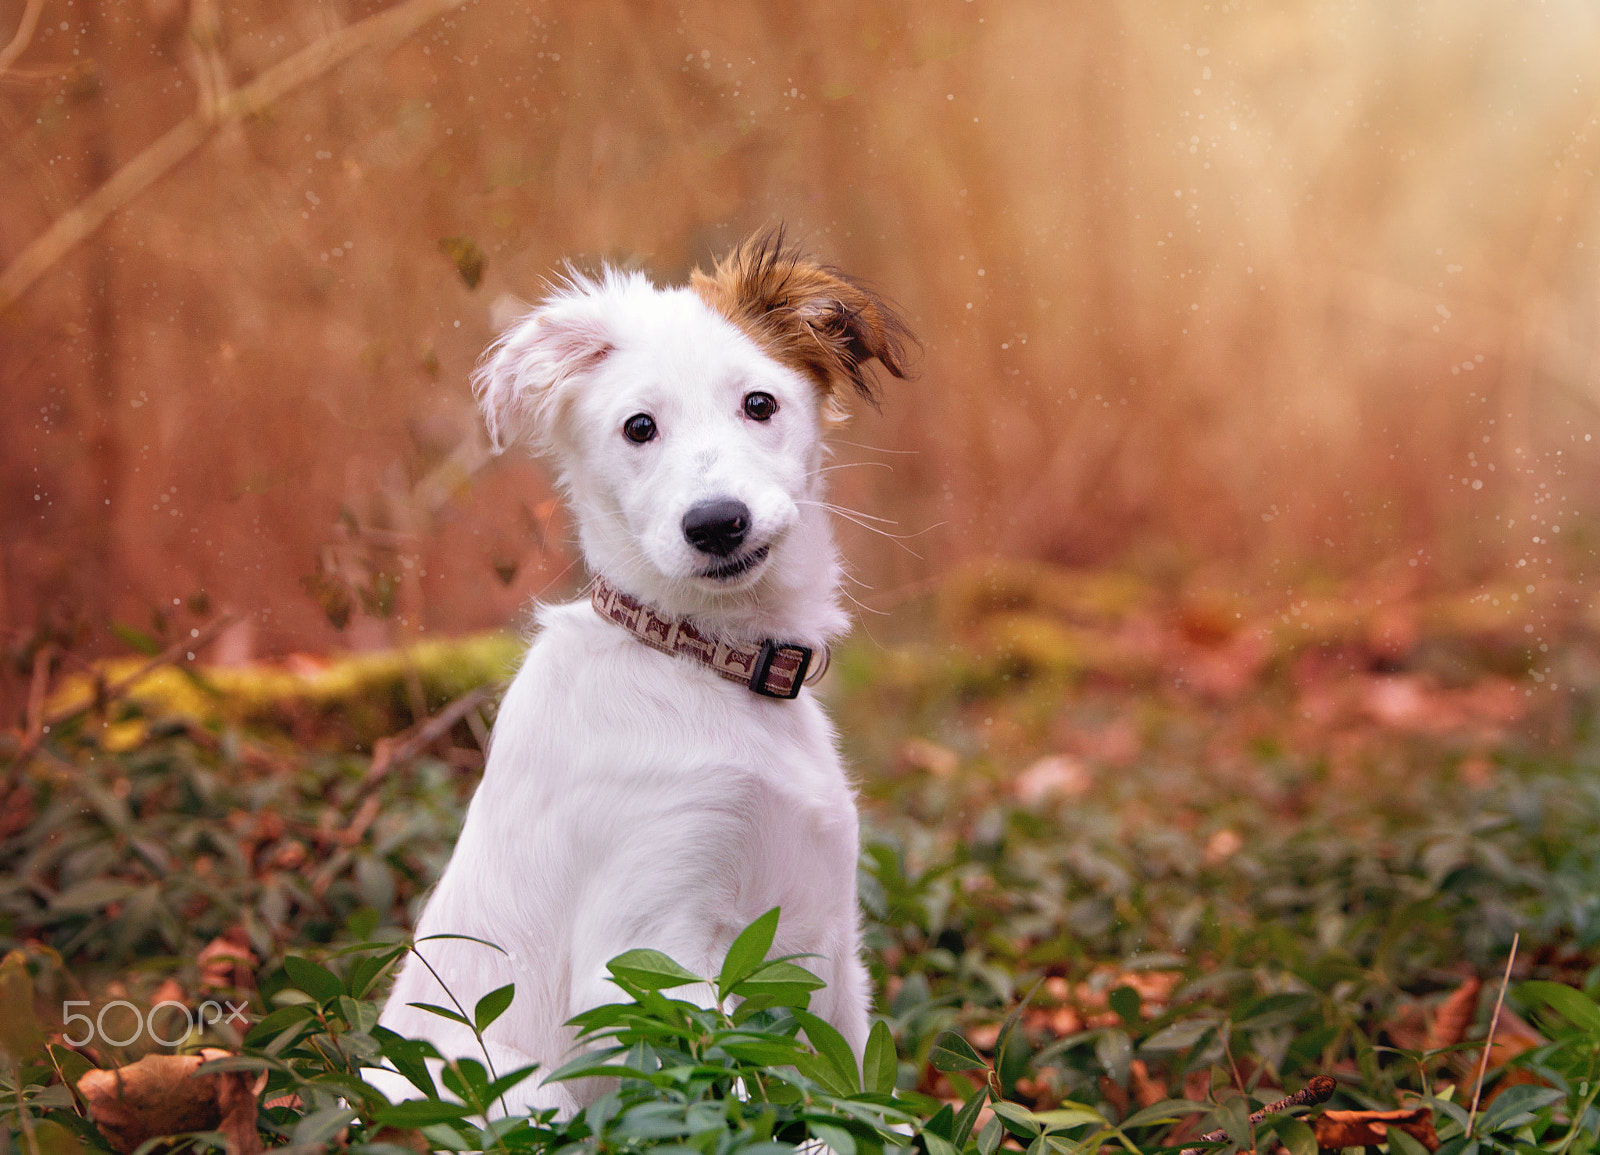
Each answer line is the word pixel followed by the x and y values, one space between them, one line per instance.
pixel 771 669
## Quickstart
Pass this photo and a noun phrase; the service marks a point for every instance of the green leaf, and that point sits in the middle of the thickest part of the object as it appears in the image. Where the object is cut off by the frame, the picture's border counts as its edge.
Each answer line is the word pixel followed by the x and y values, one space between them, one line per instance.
pixel 409 1057
pixel 91 895
pixel 1234 1117
pixel 650 970
pixel 467 1079
pixel 21 1034
pixel 779 973
pixel 829 1043
pixel 989 1138
pixel 1125 1002
pixel 968 1115
pixel 493 1005
pixel 318 1128
pixel 1179 1036
pixel 821 1071
pixel 463 938
pixel 422 1113
pixel 1571 1004
pixel 73 1065
pixel 762 1052
pixel 277 1021
pixel 136 639
pixel 1071 1115
pixel 1298 1137
pixel 1020 1121
pixel 747 952
pixel 442 1012
pixel 1166 1111
pixel 313 978
pixel 837 1138
pixel 953 1053
pixel 366 971
pixel 361 924
pixel 1114 1050
pixel 1010 1024
pixel 881 1066
pixel 1516 1105
pixel 941 1123
pixel 234 1063
pixel 467 256
pixel 1274 1011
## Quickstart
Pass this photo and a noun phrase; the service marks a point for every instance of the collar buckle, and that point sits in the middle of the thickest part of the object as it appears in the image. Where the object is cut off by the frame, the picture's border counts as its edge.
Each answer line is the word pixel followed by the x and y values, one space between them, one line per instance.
pixel 780 670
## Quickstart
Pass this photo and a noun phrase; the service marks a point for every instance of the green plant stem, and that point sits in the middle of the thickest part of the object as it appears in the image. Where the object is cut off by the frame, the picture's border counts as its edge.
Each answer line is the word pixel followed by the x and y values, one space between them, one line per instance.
pixel 1574 1123
pixel 332 1038
pixel 23 1119
pixel 471 1026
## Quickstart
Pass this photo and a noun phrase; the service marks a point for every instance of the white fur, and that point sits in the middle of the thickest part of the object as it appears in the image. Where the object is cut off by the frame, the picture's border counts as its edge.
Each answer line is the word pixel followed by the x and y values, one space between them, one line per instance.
pixel 632 798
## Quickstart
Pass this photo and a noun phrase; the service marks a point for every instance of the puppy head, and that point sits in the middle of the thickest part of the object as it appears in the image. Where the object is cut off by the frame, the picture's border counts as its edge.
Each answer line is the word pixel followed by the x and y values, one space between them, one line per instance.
pixel 685 424
pixel 813 318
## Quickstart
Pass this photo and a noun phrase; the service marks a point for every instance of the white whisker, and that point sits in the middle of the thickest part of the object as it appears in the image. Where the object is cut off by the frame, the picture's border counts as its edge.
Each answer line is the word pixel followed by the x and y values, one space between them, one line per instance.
pixel 874 448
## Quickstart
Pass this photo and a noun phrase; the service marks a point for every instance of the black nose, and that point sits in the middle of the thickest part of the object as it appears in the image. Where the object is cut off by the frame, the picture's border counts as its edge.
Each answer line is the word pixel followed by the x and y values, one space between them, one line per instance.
pixel 717 527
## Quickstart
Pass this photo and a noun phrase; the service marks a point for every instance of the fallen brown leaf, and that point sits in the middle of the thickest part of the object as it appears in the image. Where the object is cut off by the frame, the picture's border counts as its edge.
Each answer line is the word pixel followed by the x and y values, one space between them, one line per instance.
pixel 226 961
pixel 1147 1090
pixel 1454 1016
pixel 1335 1129
pixel 402 1138
pixel 162 1095
pixel 1115 1094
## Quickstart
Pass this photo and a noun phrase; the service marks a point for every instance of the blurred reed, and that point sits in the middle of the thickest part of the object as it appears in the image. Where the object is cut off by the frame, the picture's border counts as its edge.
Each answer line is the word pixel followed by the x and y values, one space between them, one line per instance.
pixel 1286 289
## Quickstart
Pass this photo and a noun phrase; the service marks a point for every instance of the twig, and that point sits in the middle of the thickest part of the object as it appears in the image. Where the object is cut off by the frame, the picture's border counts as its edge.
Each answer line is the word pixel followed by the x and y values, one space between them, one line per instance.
pixel 38 727
pixel 1319 1090
pixel 1488 1043
pixel 38 689
pixel 166 657
pixel 102 695
pixel 79 222
pixel 34 725
pixel 389 752
pixel 19 42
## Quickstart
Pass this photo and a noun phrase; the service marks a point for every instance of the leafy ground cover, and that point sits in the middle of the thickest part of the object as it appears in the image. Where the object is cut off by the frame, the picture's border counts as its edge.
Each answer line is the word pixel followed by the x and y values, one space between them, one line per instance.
pixel 1139 859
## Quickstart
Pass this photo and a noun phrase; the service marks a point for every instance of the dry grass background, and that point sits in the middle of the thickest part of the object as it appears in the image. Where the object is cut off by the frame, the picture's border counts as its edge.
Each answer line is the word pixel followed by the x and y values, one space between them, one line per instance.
pixel 1271 290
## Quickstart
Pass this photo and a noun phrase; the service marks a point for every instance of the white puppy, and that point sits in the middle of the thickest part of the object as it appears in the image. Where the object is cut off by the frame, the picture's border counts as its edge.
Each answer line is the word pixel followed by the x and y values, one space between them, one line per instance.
pixel 636 795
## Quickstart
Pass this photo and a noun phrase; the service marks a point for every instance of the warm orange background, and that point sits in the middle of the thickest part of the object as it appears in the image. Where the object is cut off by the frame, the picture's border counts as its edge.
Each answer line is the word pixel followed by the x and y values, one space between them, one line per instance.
pixel 1273 288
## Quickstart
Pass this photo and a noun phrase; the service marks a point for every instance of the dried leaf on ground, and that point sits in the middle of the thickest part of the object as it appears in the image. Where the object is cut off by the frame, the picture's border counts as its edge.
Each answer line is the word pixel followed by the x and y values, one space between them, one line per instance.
pixel 162 1095
pixel 1454 1016
pixel 1335 1129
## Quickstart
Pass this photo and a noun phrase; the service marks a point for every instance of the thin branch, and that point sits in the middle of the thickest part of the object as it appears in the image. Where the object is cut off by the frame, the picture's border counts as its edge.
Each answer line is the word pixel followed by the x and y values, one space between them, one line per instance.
pixel 390 752
pixel 1319 1090
pixel 80 222
pixel 1488 1043
pixel 19 42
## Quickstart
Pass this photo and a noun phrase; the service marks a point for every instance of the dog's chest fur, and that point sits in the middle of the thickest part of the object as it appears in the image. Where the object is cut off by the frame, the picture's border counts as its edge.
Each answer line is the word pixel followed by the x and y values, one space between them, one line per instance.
pixel 608 748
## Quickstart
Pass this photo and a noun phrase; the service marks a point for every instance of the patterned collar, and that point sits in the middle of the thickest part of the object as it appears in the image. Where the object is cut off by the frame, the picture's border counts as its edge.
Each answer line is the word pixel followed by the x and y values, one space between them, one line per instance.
pixel 771 669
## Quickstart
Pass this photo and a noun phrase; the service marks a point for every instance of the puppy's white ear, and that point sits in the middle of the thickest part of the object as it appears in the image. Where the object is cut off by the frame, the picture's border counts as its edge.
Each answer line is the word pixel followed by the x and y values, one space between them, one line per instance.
pixel 525 376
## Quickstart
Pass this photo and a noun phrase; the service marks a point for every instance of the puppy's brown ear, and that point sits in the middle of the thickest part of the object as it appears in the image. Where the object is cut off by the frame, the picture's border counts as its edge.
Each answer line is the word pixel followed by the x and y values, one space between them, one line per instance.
pixel 809 316
pixel 523 376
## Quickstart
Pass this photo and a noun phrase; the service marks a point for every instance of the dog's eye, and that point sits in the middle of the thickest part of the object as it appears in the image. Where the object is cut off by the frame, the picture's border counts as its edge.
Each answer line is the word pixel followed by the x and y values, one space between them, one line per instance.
pixel 760 406
pixel 639 428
